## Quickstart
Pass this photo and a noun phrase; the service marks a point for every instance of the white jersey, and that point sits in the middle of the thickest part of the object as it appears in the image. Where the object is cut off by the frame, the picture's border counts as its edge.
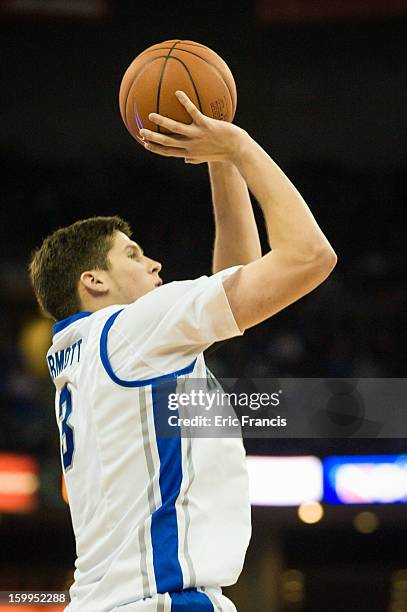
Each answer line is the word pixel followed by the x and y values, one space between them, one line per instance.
pixel 150 515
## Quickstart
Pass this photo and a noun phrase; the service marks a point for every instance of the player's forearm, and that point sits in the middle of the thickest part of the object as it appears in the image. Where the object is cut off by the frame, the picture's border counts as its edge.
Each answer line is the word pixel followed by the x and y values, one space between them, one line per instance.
pixel 290 223
pixel 236 236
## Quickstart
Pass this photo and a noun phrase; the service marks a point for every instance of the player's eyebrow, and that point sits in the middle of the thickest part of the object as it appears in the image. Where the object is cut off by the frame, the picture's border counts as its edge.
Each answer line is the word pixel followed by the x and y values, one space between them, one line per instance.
pixel 135 246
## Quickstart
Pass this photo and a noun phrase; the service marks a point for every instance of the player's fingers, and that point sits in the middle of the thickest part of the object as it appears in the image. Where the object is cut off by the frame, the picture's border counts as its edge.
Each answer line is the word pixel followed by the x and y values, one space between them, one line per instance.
pixel 189 106
pixel 163 150
pixel 162 139
pixel 173 126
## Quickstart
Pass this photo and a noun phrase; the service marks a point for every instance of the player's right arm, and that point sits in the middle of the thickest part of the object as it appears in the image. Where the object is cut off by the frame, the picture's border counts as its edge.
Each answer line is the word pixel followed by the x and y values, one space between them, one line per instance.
pixel 301 257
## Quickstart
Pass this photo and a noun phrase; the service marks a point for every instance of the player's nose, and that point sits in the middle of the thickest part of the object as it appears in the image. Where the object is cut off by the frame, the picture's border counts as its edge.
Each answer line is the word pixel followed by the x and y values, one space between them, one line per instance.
pixel 153 266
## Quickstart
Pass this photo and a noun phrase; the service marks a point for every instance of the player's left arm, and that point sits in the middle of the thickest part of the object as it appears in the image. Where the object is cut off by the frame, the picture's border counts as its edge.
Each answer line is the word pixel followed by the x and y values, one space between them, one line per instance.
pixel 236 235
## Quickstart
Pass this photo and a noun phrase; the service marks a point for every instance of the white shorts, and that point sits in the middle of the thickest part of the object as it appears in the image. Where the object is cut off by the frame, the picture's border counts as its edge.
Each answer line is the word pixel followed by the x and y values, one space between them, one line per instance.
pixel 200 600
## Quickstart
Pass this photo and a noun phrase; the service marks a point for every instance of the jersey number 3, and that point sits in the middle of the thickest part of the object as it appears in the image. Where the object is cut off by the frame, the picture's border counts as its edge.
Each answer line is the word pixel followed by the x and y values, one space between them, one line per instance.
pixel 66 430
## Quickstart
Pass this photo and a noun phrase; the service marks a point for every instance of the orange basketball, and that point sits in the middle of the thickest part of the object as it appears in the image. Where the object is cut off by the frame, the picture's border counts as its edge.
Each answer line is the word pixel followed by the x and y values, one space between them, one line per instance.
pixel 150 82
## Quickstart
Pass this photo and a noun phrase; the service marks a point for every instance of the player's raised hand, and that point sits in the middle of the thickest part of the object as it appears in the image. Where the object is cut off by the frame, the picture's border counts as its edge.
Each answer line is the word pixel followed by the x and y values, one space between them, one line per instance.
pixel 203 140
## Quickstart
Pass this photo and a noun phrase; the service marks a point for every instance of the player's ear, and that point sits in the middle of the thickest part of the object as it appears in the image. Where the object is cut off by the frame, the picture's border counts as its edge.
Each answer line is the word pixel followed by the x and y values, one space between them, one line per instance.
pixel 94 282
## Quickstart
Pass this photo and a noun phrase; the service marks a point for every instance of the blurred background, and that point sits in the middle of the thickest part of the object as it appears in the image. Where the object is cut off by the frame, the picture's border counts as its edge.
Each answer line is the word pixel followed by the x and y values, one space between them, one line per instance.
pixel 323 88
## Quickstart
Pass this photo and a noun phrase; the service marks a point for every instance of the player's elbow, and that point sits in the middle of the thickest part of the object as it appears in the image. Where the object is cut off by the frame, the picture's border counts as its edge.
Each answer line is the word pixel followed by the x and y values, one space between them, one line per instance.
pixel 322 261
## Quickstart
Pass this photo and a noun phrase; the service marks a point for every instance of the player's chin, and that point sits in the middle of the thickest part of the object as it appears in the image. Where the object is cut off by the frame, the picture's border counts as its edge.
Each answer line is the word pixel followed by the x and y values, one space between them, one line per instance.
pixel 154 286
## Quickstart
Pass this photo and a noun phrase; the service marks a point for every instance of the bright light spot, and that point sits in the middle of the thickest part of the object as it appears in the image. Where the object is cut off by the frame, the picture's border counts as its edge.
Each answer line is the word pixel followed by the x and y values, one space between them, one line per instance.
pixel 284 481
pixel 24 483
pixel 310 512
pixel 292 582
pixel 366 479
pixel 366 522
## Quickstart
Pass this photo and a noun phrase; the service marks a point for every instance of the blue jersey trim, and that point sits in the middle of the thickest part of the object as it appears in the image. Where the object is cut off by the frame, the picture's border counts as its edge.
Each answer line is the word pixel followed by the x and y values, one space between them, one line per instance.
pixel 164 527
pixel 190 599
pixel 60 325
pixel 131 383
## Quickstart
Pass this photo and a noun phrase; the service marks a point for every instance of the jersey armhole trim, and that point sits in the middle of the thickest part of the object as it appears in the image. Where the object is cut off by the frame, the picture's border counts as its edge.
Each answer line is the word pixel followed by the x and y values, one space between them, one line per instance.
pixel 131 383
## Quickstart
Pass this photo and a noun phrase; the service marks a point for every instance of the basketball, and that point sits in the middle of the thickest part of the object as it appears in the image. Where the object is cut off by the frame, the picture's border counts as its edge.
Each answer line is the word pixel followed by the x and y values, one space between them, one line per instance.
pixel 150 82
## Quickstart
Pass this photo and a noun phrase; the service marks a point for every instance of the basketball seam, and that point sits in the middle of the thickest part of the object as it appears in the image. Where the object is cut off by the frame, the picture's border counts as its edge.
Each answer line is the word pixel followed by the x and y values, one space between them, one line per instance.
pixel 174 57
pixel 167 58
pixel 135 77
pixel 161 80
pixel 177 41
pixel 192 81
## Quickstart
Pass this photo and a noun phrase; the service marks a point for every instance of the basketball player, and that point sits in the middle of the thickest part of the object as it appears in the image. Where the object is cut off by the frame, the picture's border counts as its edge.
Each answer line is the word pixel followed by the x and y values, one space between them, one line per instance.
pixel 161 524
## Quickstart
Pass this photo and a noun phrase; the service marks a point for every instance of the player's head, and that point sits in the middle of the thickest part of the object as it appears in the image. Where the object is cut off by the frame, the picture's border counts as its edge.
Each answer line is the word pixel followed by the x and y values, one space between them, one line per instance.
pixel 90 265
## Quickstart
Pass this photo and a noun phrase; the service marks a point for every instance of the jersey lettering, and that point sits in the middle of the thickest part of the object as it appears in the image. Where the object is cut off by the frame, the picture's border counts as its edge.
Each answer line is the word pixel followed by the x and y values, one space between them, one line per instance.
pixel 66 430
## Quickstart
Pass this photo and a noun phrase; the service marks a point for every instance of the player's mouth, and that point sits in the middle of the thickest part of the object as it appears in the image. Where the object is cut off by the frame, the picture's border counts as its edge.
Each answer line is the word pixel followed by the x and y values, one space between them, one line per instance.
pixel 159 283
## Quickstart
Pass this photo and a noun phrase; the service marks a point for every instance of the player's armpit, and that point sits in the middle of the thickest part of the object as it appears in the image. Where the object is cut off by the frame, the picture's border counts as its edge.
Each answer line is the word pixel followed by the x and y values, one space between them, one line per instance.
pixel 262 288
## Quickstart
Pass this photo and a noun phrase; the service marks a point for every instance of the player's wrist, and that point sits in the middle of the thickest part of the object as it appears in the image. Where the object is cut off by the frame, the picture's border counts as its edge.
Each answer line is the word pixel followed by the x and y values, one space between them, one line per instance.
pixel 222 168
pixel 239 143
